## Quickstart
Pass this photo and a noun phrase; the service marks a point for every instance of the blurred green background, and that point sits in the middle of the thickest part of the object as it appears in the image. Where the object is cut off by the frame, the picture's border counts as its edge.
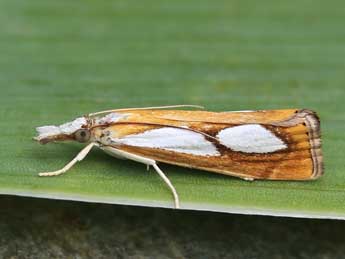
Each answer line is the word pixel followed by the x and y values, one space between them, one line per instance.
pixel 60 59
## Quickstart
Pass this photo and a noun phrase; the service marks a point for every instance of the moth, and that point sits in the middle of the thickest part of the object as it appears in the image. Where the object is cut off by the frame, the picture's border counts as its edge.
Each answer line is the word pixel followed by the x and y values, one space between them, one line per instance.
pixel 265 144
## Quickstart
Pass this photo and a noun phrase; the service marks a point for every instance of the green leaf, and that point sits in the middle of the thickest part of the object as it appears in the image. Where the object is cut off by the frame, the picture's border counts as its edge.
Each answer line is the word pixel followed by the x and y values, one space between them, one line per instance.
pixel 62 59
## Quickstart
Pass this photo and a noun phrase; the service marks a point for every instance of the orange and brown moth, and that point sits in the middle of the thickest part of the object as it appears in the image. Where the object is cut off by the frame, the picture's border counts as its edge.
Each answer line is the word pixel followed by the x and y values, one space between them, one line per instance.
pixel 266 144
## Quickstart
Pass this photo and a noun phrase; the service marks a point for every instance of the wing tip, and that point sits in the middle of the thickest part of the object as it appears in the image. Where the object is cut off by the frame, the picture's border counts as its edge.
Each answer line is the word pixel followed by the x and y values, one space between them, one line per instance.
pixel 312 122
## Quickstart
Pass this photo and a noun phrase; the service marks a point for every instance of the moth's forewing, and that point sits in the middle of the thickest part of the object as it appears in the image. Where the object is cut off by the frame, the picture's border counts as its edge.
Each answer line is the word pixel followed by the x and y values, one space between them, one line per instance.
pixel 276 144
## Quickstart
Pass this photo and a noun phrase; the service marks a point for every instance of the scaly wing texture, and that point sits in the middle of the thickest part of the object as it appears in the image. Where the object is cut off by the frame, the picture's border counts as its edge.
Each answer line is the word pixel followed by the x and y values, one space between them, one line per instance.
pixel 276 144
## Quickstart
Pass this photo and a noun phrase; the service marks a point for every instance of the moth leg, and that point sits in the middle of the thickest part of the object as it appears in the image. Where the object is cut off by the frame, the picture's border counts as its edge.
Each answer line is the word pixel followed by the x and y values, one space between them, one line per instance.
pixel 81 155
pixel 147 161
pixel 249 179
pixel 167 181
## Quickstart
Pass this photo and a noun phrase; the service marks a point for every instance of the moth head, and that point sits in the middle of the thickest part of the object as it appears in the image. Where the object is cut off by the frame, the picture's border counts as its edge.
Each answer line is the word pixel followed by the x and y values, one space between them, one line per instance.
pixel 78 129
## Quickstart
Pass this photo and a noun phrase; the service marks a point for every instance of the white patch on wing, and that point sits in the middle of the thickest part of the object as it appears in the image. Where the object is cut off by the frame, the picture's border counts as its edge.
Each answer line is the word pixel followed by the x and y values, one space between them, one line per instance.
pixel 66 128
pixel 172 139
pixel 251 138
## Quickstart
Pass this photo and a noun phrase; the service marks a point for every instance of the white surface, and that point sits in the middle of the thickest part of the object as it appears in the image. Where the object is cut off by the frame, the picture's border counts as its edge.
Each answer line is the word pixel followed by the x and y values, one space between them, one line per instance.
pixel 184 205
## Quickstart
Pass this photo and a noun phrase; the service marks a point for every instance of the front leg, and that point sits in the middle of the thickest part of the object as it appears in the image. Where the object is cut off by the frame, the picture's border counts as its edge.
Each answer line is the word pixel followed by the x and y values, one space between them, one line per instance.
pixel 82 154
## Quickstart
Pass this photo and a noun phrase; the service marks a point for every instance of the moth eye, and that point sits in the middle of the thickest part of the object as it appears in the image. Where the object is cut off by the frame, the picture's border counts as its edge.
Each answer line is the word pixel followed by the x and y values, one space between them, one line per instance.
pixel 82 135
